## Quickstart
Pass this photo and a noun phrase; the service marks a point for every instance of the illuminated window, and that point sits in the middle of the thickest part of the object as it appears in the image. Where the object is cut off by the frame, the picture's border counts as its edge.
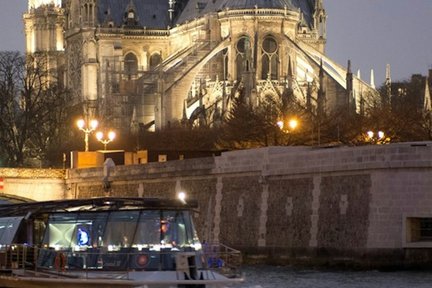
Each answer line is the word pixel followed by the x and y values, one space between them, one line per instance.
pixel 130 65
pixel 269 58
pixel 243 47
pixel 155 59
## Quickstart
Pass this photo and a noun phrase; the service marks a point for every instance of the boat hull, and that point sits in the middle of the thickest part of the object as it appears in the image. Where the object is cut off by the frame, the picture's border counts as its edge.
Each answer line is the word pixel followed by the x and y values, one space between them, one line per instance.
pixel 26 279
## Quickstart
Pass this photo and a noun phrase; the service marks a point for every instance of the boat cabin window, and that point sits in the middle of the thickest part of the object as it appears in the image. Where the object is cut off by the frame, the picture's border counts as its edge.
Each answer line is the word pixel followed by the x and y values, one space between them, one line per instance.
pixel 8 229
pixel 117 230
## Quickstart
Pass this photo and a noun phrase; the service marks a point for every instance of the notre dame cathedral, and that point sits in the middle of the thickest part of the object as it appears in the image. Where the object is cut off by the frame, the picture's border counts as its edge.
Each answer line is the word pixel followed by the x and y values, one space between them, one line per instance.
pixel 149 64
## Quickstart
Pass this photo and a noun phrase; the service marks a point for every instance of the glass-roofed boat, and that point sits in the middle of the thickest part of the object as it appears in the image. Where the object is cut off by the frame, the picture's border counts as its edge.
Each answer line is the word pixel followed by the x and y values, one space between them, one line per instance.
pixel 109 242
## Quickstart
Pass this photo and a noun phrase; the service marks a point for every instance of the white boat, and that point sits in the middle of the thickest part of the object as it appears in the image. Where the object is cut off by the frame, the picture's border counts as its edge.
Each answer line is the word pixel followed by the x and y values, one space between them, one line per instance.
pixel 109 242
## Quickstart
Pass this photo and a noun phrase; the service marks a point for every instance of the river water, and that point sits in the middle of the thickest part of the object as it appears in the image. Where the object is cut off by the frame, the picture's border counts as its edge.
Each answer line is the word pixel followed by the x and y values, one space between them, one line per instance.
pixel 285 277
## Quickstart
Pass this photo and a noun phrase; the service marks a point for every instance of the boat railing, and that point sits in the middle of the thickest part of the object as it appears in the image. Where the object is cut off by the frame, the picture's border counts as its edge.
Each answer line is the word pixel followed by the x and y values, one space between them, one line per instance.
pixel 16 256
pixel 183 260
pixel 223 258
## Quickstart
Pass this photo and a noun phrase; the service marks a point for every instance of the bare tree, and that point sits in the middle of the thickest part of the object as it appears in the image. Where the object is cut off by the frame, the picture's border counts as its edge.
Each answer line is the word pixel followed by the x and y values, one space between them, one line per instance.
pixel 33 109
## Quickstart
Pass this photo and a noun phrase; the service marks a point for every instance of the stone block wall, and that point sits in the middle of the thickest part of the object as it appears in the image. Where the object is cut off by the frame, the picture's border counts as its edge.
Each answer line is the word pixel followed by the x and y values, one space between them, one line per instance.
pixel 33 184
pixel 292 204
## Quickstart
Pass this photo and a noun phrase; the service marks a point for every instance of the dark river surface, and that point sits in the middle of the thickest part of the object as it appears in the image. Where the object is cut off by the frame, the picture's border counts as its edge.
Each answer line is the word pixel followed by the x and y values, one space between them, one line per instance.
pixel 286 277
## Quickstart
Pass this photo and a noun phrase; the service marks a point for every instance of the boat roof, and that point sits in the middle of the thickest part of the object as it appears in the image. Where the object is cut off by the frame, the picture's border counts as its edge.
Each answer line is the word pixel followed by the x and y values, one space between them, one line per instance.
pixel 94 204
pixel 7 199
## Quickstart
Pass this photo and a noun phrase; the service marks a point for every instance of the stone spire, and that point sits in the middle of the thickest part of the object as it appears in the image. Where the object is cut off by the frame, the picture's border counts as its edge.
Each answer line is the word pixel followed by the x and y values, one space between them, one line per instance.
pixel 320 19
pixel 388 84
pixel 290 73
pixel 131 17
pixel 171 4
pixel 388 74
pixel 131 6
pixel 308 93
pixel 184 119
pixel 321 91
pixel 288 92
pixel 427 107
pixel 349 88
pixel 372 79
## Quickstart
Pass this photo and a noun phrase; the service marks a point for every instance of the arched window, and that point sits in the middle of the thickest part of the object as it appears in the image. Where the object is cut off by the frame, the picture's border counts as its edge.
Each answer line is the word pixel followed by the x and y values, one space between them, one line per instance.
pixel 131 65
pixel 243 50
pixel 155 59
pixel 269 58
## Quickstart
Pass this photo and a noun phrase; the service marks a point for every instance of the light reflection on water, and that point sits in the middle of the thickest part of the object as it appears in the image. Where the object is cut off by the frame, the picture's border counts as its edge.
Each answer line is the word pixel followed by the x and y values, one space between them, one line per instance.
pixel 285 277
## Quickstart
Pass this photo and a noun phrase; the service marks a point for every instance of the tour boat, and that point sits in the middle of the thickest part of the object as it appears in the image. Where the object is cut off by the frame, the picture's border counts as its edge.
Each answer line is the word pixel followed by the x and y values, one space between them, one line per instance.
pixel 110 242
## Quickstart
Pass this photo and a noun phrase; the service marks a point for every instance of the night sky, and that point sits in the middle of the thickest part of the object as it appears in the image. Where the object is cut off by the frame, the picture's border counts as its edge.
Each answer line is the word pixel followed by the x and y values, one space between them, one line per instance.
pixel 371 33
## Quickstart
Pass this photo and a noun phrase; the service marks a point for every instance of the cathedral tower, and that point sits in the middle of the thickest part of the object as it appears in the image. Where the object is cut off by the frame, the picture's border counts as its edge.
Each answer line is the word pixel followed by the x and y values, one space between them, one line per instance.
pixel 44 34
pixel 81 53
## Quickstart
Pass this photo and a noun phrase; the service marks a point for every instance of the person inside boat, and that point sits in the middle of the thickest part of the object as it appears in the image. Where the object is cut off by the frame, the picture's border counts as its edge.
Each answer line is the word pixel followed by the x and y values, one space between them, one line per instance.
pixel 125 242
pixel 167 234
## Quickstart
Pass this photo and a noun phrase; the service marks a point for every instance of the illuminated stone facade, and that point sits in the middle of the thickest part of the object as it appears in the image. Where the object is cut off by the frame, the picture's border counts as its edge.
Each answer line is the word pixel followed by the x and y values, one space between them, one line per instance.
pixel 152 63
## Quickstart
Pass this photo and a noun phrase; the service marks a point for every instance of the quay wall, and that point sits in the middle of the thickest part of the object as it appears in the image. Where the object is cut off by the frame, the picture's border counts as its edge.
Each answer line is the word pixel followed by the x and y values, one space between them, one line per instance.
pixel 364 206
pixel 33 184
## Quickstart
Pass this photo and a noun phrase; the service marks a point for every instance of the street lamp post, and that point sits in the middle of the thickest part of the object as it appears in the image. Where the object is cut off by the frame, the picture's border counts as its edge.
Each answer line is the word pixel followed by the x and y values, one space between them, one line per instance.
pixel 100 138
pixel 87 130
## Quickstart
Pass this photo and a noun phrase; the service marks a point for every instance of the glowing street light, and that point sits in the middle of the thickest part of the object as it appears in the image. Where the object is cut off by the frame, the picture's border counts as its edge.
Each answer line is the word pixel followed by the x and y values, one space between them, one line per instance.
pixel 292 125
pixel 82 125
pixel 377 138
pixel 287 127
pixel 100 138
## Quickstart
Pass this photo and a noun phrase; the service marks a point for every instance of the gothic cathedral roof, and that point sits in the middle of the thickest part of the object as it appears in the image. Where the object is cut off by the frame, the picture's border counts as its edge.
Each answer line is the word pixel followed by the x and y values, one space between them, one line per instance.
pixel 154 13
pixel 149 13
pixel 197 8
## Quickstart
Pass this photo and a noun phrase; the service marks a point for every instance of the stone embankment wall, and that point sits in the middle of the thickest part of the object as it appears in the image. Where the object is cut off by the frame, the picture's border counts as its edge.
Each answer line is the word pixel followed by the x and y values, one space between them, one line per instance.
pixel 348 205
pixel 33 184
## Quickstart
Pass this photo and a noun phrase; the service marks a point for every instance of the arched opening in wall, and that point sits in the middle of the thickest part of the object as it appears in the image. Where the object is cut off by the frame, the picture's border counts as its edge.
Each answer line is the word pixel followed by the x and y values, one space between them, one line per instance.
pixel 243 52
pixel 130 65
pixel 270 58
pixel 155 59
